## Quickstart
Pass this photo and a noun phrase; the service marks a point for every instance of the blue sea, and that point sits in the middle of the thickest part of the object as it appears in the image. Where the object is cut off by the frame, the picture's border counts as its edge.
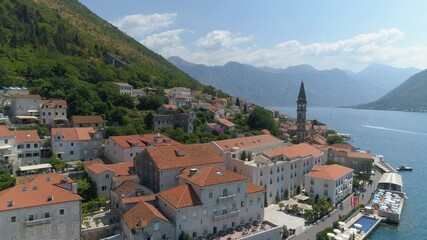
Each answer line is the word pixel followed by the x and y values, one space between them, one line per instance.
pixel 401 137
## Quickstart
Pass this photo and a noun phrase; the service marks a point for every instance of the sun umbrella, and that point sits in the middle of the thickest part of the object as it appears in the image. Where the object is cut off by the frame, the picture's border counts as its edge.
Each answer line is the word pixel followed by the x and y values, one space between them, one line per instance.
pixel 341 223
pixel 352 230
pixel 358 225
pixel 338 238
pixel 330 235
pixel 337 231
pixel 345 236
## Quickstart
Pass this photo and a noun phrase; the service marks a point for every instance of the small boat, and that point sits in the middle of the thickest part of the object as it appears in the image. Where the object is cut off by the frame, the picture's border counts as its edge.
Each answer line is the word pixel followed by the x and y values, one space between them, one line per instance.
pixel 404 168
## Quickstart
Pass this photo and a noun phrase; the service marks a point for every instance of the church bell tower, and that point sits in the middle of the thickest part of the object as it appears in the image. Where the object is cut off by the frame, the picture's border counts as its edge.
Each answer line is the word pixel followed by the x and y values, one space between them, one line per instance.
pixel 301 114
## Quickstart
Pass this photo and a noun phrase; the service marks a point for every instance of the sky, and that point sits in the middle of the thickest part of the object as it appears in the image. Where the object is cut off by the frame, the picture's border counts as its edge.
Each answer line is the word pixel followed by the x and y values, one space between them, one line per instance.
pixel 276 33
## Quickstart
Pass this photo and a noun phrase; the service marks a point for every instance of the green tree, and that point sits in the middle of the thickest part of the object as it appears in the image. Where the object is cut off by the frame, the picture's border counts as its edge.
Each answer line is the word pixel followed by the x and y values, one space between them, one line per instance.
pixel 151 102
pixel 335 139
pixel 261 118
pixel 56 164
pixel 184 236
pixel 285 232
pixel 86 188
pixel 237 102
pixel 149 121
pixel 6 180
pixel 243 155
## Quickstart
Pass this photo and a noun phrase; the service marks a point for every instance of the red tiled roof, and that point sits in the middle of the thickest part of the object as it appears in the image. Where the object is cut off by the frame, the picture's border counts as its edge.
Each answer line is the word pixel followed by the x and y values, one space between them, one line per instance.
pixel 36 192
pixel 52 103
pixel 294 151
pixel 144 198
pixel 97 166
pixel 127 187
pixel 142 140
pixel 252 188
pixel 124 178
pixel 5 132
pixel 23 96
pixel 87 119
pixel 344 147
pixel 209 176
pixel 182 156
pixel 24 136
pixel 226 123
pixel 247 142
pixel 141 215
pixel 329 172
pixel 180 196
pixel 74 134
pixel 170 106
pixel 360 155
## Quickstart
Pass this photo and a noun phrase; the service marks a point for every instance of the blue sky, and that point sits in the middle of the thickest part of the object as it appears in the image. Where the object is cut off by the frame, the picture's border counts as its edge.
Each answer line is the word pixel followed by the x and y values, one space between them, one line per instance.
pixel 325 34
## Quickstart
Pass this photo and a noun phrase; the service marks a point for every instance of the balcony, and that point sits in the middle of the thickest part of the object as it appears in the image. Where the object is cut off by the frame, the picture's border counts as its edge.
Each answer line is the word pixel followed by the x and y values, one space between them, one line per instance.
pixel 225 216
pixel 38 222
pixel 228 198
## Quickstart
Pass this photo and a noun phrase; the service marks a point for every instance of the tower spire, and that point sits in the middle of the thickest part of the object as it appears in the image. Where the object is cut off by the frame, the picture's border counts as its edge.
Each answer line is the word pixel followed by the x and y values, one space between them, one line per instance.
pixel 301 113
pixel 301 91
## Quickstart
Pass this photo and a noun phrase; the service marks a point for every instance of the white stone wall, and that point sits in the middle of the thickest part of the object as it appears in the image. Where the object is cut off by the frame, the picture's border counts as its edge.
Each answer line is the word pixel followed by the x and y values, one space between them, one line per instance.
pixel 56 226
pixel 28 153
pixel 20 106
pixel 8 154
pixel 118 154
pixel 47 115
pixel 76 150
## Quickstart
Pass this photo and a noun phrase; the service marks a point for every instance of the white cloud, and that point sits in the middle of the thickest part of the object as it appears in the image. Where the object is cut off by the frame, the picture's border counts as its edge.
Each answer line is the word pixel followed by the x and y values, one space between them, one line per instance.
pixel 219 39
pixel 140 25
pixel 354 53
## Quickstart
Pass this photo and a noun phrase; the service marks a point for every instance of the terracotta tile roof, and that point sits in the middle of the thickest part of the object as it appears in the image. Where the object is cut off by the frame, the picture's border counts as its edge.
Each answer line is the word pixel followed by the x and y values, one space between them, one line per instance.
pixel 23 96
pixel 226 123
pixel 211 175
pixel 5 132
pixel 97 166
pixel 180 196
pixel 24 136
pixel 141 215
pixel 170 106
pixel 183 156
pixel 360 155
pixel 247 142
pixel 35 193
pixel 142 140
pixel 252 188
pixel 127 187
pixel 344 147
pixel 74 134
pixel 124 178
pixel 53 103
pixel 294 151
pixel 87 119
pixel 145 198
pixel 329 172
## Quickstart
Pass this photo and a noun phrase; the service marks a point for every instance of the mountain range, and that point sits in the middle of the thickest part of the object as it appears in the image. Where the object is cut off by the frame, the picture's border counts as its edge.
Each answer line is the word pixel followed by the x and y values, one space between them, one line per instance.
pixel 279 87
pixel 411 95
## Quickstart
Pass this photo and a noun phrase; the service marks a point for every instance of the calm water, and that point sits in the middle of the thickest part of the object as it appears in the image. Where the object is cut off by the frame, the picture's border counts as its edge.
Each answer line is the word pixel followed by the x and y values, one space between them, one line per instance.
pixel 402 138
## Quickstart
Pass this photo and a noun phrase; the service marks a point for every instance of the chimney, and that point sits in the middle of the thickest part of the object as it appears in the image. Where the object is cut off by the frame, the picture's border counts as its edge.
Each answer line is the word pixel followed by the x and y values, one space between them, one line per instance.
pixel 138 222
pixel 193 171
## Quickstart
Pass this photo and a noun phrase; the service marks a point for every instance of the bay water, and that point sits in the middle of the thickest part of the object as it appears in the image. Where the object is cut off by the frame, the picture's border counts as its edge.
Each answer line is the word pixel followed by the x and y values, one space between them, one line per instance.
pixel 401 137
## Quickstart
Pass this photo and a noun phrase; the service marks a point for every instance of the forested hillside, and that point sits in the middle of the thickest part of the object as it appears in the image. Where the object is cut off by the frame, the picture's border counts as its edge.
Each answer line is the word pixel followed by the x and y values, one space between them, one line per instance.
pixel 57 48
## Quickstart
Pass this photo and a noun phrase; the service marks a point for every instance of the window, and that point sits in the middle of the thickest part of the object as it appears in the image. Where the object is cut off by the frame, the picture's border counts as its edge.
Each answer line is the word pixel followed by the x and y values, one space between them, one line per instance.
pixel 210 195
pixel 28 145
pixel 224 192
pixel 46 215
pixel 72 144
pixel 205 212
pixel 325 193
pixel 61 212
pixel 326 185
pixel 20 146
pixel 184 217
pixel 195 214
pixel 71 152
pixel 224 209
pixel 258 200
pixel 238 189
pixel 28 155
pixel 56 113
pixel 60 145
pixel 156 226
pixel 194 234
pixel 13 219
pixel 131 154
pixel 30 217
pixel 6 141
pixel 107 176
pixel 103 188
pixel 242 203
pixel 20 155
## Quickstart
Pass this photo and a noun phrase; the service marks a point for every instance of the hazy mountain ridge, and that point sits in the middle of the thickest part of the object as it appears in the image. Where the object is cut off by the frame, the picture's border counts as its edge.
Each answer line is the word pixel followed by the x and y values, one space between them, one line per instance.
pixel 279 87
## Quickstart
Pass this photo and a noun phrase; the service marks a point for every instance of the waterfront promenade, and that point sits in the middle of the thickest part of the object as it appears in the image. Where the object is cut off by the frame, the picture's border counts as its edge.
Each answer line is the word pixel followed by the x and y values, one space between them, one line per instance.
pixel 310 232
